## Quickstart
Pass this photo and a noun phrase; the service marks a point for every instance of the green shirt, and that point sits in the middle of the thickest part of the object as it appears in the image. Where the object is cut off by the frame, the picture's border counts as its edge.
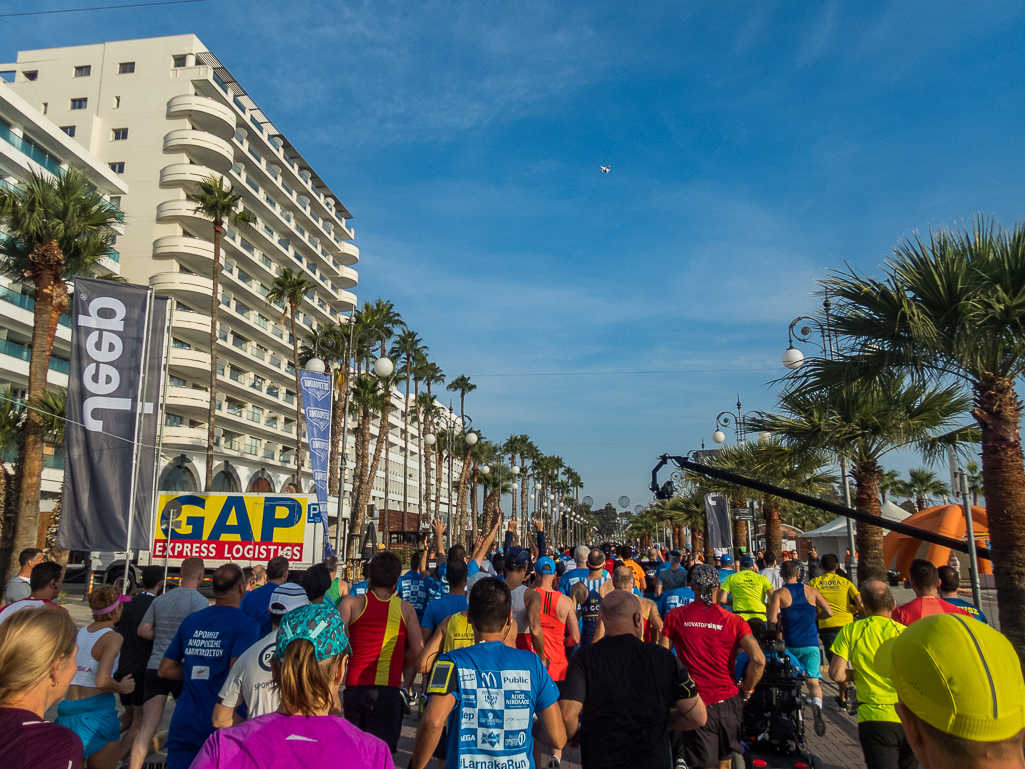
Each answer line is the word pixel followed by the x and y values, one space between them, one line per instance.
pixel 749 591
pixel 858 643
pixel 840 593
pixel 333 595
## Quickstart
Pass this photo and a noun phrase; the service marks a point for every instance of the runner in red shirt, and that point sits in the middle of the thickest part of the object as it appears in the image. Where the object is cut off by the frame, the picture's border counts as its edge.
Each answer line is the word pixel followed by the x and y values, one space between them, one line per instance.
pixel 707 639
pixel 925 581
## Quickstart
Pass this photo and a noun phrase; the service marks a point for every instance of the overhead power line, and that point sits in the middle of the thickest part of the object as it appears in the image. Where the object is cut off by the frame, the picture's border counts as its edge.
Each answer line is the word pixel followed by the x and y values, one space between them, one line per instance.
pixel 628 373
pixel 99 8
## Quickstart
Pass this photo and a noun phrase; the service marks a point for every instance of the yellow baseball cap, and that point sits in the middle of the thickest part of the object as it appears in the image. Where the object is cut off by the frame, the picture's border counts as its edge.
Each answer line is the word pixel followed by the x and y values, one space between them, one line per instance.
pixel 958 675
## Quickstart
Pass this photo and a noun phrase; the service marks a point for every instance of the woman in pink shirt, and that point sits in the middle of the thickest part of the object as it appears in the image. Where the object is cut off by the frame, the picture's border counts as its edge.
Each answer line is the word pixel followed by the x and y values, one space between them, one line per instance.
pixel 308 666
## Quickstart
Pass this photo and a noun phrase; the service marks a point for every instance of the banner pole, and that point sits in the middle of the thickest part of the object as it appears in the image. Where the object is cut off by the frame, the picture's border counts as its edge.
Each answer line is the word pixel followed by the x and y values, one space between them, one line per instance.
pixel 135 454
pixel 161 415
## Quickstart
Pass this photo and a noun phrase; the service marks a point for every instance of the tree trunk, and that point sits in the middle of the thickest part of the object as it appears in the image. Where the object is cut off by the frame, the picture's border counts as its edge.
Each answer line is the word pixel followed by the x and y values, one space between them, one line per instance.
pixel 773 526
pixel 439 459
pixel 215 305
pixel 48 259
pixel 709 551
pixel 869 538
pixel 998 412
pixel 920 502
pixel 367 487
pixel 298 405
pixel 337 426
pixel 361 436
pixel 474 522
pixel 464 477
pixel 9 512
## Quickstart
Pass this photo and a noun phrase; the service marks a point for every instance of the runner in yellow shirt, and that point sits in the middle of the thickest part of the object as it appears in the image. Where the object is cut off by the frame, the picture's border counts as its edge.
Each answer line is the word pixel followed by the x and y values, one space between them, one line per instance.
pixel 844 600
pixel 747 590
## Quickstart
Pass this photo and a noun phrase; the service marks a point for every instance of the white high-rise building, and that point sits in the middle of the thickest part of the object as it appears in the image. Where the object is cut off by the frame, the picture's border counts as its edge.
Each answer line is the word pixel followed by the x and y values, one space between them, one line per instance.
pixel 30 143
pixel 165 114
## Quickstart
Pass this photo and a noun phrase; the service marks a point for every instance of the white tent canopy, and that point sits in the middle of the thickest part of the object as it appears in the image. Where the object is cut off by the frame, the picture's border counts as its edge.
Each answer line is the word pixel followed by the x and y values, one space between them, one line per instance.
pixel 832 537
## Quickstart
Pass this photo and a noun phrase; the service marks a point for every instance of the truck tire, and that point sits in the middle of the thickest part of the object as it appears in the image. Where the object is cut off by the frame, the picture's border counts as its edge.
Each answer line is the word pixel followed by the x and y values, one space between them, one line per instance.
pixel 115 576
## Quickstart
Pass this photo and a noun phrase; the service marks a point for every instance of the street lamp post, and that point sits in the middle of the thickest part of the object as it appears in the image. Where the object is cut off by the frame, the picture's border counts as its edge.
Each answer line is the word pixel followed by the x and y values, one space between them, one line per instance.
pixel 383 367
pixel 724 418
pixel 470 438
pixel 792 360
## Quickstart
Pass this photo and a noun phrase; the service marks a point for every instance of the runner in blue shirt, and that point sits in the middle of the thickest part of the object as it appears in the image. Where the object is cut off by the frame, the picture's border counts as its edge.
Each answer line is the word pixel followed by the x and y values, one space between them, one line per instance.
pixel 203 650
pixel 256 601
pixel 673 598
pixel 415 585
pixel 573 576
pixel 447 605
pixel 950 581
pixel 488 694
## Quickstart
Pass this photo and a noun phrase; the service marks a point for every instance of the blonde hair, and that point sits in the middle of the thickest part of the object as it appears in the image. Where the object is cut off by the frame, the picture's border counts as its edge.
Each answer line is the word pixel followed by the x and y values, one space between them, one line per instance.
pixel 32 641
pixel 306 685
pixel 103 597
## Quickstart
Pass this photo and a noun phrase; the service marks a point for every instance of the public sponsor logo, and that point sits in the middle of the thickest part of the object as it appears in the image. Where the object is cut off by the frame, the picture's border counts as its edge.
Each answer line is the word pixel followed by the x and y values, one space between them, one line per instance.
pixel 515 680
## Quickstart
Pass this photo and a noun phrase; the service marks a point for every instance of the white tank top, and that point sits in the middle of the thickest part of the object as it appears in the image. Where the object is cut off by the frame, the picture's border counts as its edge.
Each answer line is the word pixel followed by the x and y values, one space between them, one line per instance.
pixel 87 665
pixel 519 610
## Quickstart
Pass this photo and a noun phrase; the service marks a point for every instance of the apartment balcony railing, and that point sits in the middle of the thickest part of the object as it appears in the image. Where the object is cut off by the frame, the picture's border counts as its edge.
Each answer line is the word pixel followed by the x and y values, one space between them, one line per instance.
pixel 30 149
pixel 28 303
pixel 22 352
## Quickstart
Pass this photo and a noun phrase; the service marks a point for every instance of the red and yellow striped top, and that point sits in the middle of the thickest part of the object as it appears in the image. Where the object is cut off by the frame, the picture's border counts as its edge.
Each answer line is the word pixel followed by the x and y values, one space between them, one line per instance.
pixel 378 638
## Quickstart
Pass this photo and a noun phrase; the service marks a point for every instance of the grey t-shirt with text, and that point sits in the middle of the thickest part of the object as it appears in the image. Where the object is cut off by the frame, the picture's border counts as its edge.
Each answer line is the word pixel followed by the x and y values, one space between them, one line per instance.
pixel 166 614
pixel 672 579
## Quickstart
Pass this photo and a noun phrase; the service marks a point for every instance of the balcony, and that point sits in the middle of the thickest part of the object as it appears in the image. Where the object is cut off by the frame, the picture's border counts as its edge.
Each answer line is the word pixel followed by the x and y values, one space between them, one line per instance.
pixel 30 149
pixel 196 254
pixel 347 278
pixel 348 253
pixel 188 402
pixel 184 212
pixel 344 302
pixel 185 437
pixel 194 362
pixel 205 148
pixel 184 175
pixel 204 113
pixel 190 288
pixel 191 327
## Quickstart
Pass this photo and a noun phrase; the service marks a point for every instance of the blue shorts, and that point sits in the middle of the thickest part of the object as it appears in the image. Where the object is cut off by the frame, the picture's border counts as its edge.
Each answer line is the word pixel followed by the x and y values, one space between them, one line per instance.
pixel 810 658
pixel 94 719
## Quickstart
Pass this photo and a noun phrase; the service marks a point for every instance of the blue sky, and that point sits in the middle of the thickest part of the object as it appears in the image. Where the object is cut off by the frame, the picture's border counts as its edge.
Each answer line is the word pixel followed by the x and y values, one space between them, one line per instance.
pixel 753 145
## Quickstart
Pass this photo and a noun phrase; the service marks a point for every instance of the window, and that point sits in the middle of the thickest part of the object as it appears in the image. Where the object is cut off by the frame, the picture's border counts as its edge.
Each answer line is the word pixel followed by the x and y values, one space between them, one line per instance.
pixel 178 61
pixel 117 102
pixel 176 381
pixel 126 68
pixel 79 103
pixel 115 200
pixel 172 420
pixel 83 71
pixel 118 168
pixel 178 344
pixel 69 130
pixel 119 134
pixel 45 108
pixel 31 75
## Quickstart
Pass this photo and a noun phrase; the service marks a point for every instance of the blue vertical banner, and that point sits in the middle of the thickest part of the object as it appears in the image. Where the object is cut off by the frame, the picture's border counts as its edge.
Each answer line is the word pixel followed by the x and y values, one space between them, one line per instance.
pixel 316 398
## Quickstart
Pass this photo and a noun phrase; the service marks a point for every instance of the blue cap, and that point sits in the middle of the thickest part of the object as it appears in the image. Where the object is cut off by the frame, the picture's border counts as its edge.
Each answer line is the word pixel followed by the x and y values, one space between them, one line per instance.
pixel 747 562
pixel 318 623
pixel 545 565
pixel 726 559
pixel 518 556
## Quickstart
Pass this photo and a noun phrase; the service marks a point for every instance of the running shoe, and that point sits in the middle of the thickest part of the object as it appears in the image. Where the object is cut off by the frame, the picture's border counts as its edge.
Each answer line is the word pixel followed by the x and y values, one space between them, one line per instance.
pixel 554 763
pixel 820 725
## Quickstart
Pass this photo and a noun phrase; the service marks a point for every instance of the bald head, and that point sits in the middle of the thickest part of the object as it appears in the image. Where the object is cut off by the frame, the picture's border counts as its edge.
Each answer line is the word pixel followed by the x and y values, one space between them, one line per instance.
pixel 877 598
pixel 623 578
pixel 596 560
pixel 621 613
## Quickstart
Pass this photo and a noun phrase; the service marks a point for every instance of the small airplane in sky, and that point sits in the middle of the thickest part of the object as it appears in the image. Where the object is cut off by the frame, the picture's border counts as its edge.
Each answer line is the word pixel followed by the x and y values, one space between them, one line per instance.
pixel 605 169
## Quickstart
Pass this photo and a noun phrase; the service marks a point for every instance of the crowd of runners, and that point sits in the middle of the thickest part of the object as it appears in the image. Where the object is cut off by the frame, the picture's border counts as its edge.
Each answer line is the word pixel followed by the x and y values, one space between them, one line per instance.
pixel 503 657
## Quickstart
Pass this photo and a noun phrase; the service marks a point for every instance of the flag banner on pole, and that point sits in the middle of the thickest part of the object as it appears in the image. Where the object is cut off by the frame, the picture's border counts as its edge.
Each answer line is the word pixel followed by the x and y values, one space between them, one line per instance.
pixel 720 534
pixel 108 341
pixel 316 398
pixel 148 469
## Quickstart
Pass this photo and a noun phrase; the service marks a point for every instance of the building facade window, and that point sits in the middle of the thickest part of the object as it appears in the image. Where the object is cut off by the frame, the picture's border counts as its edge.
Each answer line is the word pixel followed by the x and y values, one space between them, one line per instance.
pixel 69 130
pixel 119 134
pixel 83 71
pixel 118 168
pixel 31 75
pixel 172 420
pixel 178 61
pixel 115 200
pixel 126 68
pixel 117 102
pixel 176 381
pixel 79 103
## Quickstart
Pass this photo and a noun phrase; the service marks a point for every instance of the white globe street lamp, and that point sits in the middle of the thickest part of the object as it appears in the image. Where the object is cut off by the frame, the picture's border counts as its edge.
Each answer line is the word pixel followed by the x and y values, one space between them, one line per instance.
pixel 429 439
pixel 486 470
pixel 537 487
pixel 719 436
pixel 551 496
pixel 316 366
pixel 516 487
pixel 531 496
pixel 515 470
pixel 471 438
pixel 383 367
pixel 793 358
pixel 764 437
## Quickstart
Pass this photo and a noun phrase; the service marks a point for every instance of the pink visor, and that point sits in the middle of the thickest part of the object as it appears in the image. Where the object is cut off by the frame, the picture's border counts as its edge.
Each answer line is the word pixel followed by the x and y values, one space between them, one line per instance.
pixel 120 600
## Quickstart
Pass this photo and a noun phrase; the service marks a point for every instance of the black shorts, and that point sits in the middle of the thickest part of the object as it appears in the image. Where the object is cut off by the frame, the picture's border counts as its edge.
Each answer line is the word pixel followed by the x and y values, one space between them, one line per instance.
pixel 137 697
pixel 377 710
pixel 718 739
pixel 155 686
pixel 827 635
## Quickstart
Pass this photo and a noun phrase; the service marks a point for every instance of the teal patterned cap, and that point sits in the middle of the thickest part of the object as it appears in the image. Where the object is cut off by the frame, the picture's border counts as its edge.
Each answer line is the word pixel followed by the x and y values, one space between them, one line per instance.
pixel 319 624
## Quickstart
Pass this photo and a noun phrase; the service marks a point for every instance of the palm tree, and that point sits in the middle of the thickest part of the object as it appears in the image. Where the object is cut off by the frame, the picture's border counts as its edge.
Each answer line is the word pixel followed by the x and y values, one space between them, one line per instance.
pixel 776 464
pixel 290 287
pixel 511 448
pixel 53 406
pixel 889 482
pixel 527 453
pixel 462 385
pixel 431 375
pixel 56 228
pixel 12 416
pixel 365 398
pixel 974 481
pixel 406 346
pixel 427 412
pixel 949 306
pixel 217 200
pixel 923 485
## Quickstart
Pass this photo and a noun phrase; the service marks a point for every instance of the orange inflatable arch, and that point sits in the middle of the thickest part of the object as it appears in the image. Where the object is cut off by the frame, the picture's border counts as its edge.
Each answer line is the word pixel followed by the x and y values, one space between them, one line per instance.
pixel 899 550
